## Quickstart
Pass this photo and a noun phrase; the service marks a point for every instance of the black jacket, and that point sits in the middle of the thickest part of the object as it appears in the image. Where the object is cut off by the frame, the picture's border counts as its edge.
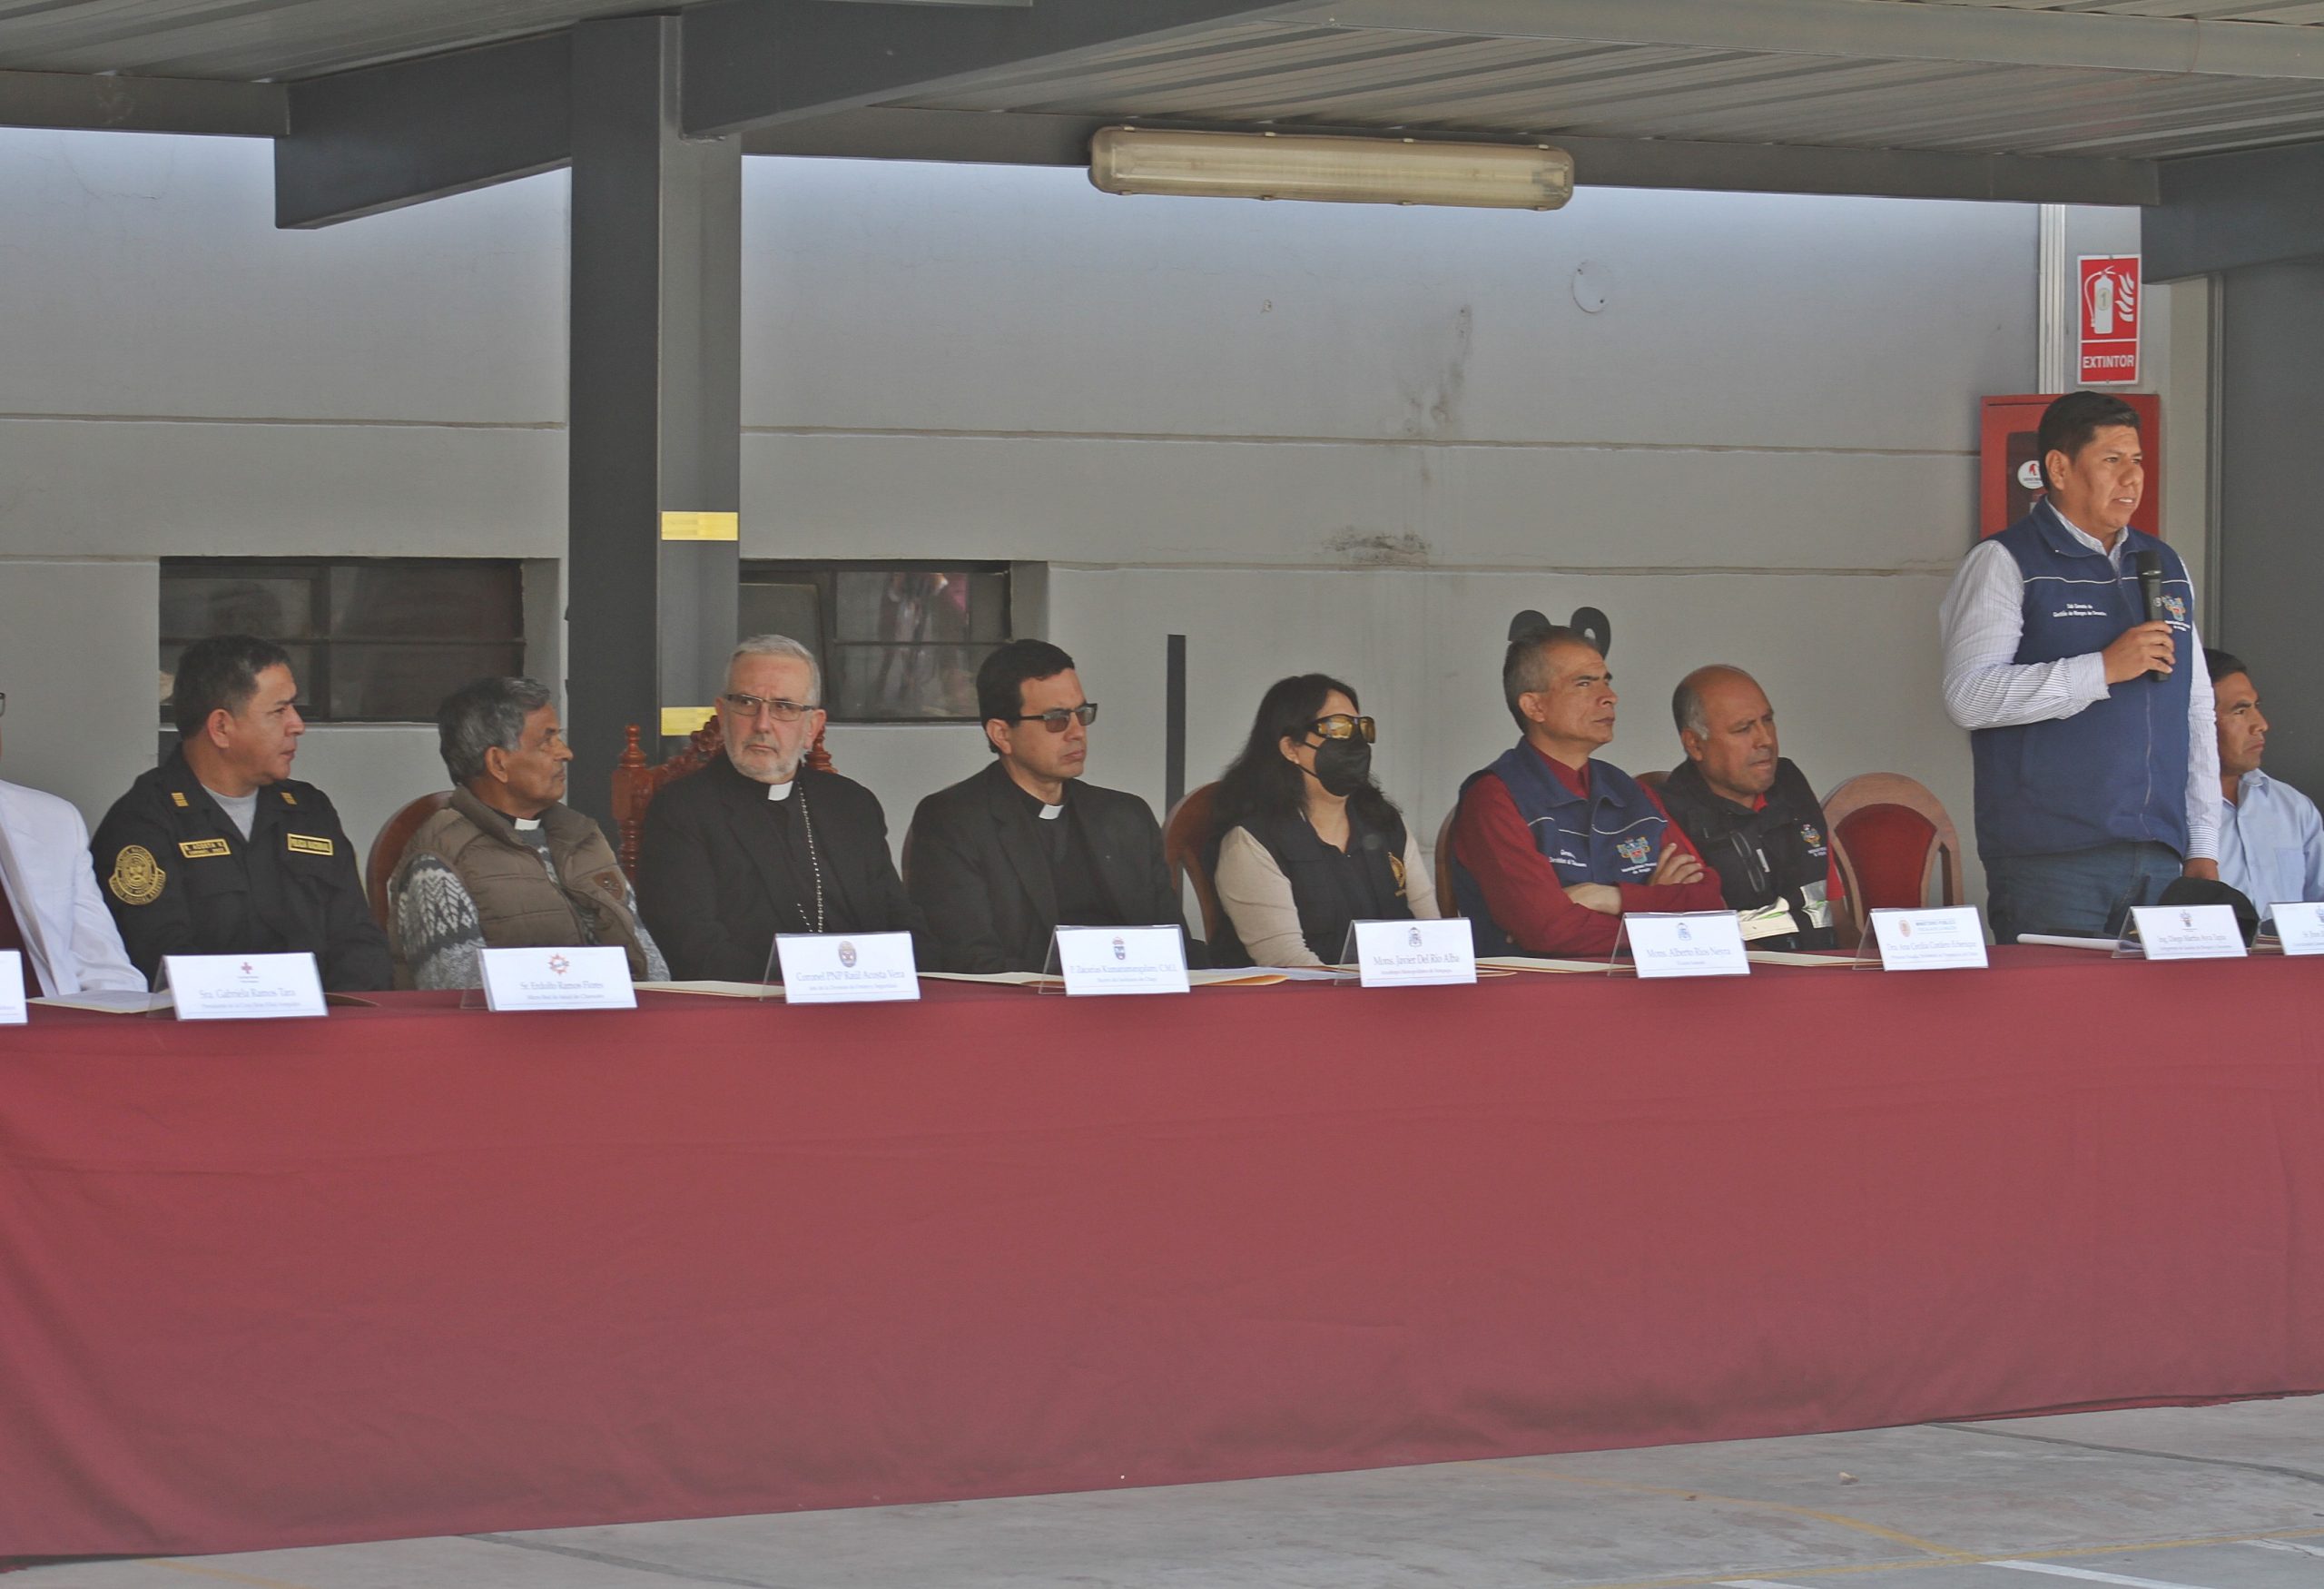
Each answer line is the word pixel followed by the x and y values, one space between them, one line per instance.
pixel 180 879
pixel 980 876
pixel 1778 855
pixel 715 886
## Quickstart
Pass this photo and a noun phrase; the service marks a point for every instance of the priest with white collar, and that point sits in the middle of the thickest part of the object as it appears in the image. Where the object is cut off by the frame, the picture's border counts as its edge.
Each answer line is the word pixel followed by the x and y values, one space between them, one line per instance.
pixel 50 909
pixel 758 843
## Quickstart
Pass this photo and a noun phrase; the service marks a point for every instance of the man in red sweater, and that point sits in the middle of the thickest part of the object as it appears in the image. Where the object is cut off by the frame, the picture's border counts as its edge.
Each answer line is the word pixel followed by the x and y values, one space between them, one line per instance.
pixel 1551 847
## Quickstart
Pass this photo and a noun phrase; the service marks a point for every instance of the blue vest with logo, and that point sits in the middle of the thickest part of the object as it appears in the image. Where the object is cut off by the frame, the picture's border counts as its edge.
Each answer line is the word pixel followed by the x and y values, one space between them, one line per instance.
pixel 2117 770
pixel 1613 836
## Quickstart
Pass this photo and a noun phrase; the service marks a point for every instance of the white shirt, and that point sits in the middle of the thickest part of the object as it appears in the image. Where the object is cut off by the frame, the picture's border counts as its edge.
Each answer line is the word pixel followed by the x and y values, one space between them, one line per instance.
pixel 1983 620
pixel 72 945
pixel 2271 844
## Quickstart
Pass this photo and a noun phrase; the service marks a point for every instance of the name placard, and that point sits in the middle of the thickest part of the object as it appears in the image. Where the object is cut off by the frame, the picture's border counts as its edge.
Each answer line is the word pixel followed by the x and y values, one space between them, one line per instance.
pixel 243 987
pixel 1414 954
pixel 576 978
pixel 12 988
pixel 1694 943
pixel 2299 926
pixel 1122 959
pixel 834 968
pixel 2188 932
pixel 1929 940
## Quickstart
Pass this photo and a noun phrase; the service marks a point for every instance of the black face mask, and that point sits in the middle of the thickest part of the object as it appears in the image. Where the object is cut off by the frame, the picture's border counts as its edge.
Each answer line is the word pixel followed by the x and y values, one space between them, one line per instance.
pixel 1343 766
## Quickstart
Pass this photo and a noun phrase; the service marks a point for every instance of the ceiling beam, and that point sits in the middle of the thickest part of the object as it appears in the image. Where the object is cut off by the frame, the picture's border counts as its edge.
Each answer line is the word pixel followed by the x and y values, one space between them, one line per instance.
pixel 893 132
pixel 1891 30
pixel 387 136
pixel 2225 211
pixel 759 62
pixel 143 104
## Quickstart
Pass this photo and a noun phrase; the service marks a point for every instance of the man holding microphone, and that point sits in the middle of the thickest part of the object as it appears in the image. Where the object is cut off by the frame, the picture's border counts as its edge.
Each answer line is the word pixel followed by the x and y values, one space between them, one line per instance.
pixel 2085 692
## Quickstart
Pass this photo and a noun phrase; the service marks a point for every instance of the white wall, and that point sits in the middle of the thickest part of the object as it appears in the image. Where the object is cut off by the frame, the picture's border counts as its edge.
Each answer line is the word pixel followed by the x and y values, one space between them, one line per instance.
pixel 1304 436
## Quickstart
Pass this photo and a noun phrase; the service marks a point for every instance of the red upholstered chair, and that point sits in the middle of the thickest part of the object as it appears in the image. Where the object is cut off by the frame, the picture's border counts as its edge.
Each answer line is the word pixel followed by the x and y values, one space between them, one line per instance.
pixel 1889 833
pixel 1184 838
pixel 386 850
pixel 636 783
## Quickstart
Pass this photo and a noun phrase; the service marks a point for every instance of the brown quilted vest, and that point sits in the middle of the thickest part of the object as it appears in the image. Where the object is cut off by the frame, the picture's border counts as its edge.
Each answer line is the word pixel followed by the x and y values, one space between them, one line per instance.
pixel 521 906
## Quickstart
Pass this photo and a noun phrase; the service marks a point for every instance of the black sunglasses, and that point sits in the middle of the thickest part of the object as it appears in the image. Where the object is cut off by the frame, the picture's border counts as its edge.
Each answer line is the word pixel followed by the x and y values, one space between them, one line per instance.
pixel 1056 717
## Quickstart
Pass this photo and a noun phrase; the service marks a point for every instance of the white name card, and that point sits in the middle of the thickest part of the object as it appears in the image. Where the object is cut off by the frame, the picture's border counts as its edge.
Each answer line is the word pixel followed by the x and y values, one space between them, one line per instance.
pixel 1413 954
pixel 2188 932
pixel 1936 940
pixel 2299 925
pixel 1704 943
pixel 575 978
pixel 834 968
pixel 243 987
pixel 12 988
pixel 1122 959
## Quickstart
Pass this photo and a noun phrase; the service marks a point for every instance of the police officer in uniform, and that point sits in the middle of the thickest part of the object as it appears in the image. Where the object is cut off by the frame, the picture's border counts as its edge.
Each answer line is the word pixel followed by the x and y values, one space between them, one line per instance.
pixel 219 850
pixel 1750 812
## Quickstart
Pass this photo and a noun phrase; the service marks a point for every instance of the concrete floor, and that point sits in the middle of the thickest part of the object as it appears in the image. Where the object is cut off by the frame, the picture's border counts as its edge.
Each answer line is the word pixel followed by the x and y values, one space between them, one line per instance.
pixel 2226 1497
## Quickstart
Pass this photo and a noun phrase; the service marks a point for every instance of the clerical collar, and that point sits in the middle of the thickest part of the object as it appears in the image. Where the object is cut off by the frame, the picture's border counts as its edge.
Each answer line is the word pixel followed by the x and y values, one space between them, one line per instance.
pixel 1051 813
pixel 525 824
pixel 781 791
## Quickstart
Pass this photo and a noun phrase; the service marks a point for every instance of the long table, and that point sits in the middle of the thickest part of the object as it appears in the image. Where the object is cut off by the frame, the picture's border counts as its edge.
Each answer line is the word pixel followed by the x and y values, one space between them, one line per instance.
pixel 413 1270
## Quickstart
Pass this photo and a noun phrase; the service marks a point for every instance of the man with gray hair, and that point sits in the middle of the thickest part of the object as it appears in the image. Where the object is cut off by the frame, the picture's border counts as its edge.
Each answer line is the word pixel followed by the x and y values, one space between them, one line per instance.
pixel 758 842
pixel 1751 812
pixel 507 864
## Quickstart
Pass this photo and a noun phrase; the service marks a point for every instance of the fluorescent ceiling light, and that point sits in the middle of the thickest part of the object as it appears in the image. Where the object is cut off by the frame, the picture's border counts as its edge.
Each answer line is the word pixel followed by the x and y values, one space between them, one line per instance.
pixel 1346 171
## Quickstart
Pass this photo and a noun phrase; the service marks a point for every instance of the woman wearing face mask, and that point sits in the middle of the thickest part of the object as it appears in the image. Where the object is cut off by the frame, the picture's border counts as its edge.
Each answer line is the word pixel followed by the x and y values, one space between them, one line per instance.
pixel 1305 842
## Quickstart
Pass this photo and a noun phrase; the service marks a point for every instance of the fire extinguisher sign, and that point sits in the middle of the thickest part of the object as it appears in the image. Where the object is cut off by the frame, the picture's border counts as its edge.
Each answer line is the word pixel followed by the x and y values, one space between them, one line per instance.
pixel 2111 291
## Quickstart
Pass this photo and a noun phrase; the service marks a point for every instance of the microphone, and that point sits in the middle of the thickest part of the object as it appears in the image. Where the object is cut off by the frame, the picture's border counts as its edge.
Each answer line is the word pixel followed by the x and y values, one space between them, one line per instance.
pixel 2149 566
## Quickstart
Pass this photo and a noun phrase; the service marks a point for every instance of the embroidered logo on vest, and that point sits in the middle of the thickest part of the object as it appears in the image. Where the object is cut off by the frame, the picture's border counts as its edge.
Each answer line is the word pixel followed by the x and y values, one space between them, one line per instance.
pixel 1634 849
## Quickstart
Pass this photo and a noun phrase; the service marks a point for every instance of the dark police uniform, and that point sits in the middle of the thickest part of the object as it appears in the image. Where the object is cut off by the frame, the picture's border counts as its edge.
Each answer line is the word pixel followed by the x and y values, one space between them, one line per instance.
pixel 1774 865
pixel 180 879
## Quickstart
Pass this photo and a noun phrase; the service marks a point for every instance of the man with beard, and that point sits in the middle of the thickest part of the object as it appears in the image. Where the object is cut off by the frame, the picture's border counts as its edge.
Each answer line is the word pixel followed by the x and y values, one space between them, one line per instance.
pixel 1001 860
pixel 755 845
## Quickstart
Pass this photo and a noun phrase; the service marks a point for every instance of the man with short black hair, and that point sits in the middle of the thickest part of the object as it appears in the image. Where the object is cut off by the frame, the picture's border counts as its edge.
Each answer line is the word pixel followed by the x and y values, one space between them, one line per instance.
pixel 50 910
pixel 2097 769
pixel 1751 812
pixel 2271 836
pixel 999 860
pixel 507 864
pixel 1552 846
pixel 758 842
pixel 218 849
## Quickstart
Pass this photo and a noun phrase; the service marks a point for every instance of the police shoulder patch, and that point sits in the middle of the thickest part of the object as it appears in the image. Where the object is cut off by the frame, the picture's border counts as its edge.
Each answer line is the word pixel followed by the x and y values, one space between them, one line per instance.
pixel 178 799
pixel 301 844
pixel 196 849
pixel 137 878
pixel 288 798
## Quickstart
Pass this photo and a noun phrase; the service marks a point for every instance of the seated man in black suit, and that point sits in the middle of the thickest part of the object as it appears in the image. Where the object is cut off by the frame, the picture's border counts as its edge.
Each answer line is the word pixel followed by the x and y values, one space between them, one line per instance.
pixel 756 843
pixel 1000 860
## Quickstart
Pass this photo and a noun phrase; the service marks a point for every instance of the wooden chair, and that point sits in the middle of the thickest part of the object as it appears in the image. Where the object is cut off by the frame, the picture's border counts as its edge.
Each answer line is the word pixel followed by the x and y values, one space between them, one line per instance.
pixel 1185 836
pixel 636 783
pixel 386 850
pixel 1446 905
pixel 1889 833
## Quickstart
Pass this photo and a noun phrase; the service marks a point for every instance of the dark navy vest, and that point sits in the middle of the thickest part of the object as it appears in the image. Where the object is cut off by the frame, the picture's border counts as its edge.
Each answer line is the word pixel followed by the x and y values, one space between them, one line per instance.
pixel 2117 770
pixel 1613 836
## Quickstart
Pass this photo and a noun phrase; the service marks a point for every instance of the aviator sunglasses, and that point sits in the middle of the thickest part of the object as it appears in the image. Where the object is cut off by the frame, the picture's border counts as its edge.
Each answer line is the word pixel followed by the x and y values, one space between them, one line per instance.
pixel 1340 725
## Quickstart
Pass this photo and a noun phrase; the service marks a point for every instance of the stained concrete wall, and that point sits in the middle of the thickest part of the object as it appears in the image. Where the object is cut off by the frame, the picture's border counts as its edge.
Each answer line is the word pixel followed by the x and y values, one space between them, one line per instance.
pixel 1353 438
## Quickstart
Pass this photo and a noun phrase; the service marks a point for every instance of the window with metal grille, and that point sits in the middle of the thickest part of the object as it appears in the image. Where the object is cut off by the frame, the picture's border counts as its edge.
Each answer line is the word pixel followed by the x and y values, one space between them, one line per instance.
pixel 899 642
pixel 371 640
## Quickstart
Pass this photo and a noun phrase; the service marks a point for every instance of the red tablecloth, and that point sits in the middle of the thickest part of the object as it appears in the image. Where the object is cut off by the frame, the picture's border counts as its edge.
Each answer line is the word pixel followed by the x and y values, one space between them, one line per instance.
pixel 416 1271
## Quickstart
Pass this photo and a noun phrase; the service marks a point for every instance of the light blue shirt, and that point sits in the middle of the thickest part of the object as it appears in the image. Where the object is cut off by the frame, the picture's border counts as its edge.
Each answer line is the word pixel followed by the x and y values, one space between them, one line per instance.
pixel 2271 843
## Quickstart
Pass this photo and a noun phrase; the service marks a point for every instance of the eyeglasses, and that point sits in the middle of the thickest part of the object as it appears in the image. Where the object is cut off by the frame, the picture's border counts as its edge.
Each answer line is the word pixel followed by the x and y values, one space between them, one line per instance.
pixel 780 710
pixel 1340 725
pixel 1056 717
